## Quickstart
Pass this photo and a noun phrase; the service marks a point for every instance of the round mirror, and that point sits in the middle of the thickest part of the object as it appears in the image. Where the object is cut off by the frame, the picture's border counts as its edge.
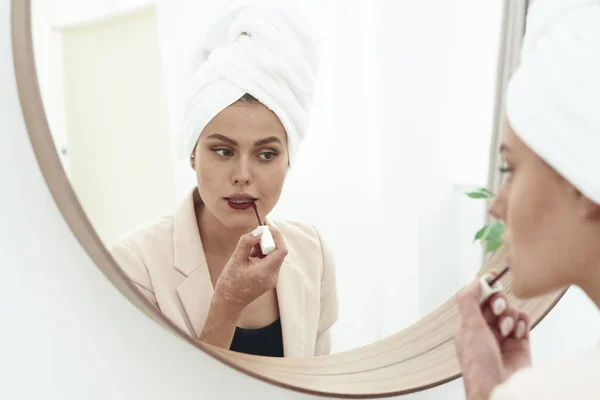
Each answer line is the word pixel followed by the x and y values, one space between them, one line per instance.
pixel 374 174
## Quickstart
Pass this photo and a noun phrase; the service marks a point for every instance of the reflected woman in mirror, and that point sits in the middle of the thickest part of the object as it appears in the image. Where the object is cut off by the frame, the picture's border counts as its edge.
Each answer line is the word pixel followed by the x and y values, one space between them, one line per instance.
pixel 245 116
pixel 550 204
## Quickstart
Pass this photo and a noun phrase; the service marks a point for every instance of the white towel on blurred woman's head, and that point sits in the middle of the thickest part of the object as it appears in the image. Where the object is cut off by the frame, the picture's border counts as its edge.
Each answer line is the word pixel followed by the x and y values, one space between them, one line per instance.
pixel 260 47
pixel 553 99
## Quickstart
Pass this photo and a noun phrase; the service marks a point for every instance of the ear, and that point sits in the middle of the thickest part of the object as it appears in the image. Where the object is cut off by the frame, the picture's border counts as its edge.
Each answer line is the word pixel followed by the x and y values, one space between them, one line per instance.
pixel 589 209
pixel 586 207
pixel 193 158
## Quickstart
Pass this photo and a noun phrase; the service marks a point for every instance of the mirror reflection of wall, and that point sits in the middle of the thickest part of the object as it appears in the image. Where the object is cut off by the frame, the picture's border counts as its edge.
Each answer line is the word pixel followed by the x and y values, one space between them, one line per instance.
pixel 115 120
pixel 401 128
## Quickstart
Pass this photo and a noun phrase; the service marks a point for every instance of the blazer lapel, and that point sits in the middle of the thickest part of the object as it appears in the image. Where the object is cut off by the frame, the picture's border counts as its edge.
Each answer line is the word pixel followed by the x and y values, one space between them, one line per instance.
pixel 291 287
pixel 196 290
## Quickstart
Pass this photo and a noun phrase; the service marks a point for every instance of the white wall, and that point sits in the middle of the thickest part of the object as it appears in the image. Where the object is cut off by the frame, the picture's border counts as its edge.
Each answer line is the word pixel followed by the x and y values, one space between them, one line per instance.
pixel 47 17
pixel 86 56
pixel 67 334
pixel 121 167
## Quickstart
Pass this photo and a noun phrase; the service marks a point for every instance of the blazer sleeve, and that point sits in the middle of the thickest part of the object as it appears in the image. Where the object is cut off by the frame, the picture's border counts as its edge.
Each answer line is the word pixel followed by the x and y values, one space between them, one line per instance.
pixel 135 269
pixel 329 301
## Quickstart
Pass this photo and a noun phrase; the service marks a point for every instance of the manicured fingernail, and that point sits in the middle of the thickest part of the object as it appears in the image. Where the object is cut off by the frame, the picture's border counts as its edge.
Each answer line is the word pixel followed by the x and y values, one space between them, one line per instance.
pixel 499 306
pixel 520 329
pixel 257 232
pixel 507 326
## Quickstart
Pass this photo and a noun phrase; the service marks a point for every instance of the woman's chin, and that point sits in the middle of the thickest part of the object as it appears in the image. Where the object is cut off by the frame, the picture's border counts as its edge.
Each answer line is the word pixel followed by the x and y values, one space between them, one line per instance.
pixel 519 290
pixel 240 223
pixel 526 288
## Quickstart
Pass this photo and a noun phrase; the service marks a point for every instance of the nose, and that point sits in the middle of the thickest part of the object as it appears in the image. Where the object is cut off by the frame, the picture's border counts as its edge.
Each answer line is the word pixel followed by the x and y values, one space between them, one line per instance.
pixel 241 174
pixel 498 206
pixel 494 209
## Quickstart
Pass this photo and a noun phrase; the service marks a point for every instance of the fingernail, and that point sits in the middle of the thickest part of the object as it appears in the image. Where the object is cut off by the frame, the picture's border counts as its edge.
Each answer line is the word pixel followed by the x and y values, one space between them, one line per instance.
pixel 507 326
pixel 257 232
pixel 499 306
pixel 520 329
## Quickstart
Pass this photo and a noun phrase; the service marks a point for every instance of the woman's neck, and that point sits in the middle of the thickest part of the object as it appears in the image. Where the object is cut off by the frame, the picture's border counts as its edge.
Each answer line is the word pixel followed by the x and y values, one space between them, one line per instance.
pixel 216 237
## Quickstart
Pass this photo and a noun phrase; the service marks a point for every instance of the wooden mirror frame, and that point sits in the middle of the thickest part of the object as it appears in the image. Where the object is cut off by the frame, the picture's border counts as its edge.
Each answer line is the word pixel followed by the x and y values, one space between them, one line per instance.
pixel 419 357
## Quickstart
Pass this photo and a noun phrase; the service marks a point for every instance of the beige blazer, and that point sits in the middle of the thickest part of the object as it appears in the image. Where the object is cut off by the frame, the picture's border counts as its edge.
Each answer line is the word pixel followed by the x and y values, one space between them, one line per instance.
pixel 165 259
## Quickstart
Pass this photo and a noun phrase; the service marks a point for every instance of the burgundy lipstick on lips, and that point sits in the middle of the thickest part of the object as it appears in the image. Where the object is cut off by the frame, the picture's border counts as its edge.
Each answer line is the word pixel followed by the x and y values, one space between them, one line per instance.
pixel 240 201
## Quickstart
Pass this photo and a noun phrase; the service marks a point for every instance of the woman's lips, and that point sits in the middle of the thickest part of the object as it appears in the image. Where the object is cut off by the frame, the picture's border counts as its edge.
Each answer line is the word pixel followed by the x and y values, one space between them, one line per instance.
pixel 240 204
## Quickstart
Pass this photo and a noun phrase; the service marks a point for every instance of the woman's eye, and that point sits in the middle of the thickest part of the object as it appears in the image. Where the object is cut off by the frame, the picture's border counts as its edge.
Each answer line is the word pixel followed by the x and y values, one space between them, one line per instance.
pixel 268 155
pixel 223 152
pixel 506 173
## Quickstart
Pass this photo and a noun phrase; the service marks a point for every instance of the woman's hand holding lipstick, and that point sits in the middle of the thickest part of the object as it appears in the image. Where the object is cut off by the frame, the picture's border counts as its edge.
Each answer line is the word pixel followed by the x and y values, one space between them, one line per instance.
pixel 247 275
pixel 492 341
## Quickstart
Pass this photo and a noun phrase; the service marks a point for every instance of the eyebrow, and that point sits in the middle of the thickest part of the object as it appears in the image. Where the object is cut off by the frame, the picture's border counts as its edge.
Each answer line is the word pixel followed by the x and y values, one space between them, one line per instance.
pixel 504 148
pixel 223 138
pixel 270 139
pixel 261 142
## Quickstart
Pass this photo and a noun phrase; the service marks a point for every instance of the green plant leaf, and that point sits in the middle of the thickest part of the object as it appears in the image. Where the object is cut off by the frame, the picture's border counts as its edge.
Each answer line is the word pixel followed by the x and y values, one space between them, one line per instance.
pixel 476 195
pixel 480 233
pixel 489 193
pixel 493 247
pixel 480 193
pixel 494 239
pixel 497 229
pixel 487 232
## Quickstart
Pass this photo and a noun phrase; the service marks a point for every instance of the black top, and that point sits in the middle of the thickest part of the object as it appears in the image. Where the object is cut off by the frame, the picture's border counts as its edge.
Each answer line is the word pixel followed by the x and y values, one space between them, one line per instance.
pixel 267 341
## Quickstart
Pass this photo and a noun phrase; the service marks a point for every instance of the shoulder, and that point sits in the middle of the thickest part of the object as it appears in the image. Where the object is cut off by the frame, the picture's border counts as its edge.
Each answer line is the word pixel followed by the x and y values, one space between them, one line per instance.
pixel 154 234
pixel 137 250
pixel 298 234
pixel 309 247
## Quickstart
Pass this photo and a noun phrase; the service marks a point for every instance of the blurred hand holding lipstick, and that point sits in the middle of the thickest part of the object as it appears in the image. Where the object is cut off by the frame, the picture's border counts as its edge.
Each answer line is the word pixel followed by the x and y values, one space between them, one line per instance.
pixel 492 341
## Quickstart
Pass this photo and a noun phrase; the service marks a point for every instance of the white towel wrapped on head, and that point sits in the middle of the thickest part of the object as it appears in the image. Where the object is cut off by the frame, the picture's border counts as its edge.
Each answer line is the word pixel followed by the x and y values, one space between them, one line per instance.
pixel 553 99
pixel 260 47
